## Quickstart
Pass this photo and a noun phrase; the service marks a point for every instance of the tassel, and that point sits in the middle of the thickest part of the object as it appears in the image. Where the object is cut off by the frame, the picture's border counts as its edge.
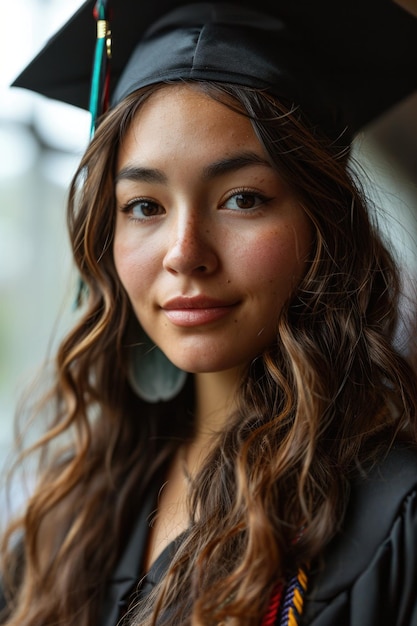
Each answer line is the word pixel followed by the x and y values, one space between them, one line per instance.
pixel 100 80
pixel 100 85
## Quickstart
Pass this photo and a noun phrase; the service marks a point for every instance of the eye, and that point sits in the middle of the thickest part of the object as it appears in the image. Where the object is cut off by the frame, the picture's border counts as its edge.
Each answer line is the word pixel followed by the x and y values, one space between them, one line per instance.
pixel 244 201
pixel 142 208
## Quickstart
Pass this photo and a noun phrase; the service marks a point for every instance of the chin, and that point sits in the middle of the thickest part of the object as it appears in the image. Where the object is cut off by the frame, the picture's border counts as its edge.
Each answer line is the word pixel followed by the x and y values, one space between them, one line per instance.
pixel 210 366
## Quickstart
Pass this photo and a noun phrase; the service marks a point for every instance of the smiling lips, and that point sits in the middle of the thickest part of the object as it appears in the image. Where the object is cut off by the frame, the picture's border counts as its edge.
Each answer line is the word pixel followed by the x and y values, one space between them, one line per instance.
pixel 195 311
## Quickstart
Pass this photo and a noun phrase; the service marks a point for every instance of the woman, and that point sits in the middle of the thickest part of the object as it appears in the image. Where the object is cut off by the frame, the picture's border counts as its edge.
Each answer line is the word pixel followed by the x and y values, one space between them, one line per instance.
pixel 236 429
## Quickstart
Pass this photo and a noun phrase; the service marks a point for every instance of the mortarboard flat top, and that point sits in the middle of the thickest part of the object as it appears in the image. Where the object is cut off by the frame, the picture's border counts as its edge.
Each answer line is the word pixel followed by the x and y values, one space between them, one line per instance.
pixel 353 59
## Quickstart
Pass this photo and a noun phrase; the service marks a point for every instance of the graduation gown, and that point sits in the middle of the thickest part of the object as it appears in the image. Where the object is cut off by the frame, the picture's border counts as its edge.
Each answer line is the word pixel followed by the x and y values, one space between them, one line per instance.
pixel 368 573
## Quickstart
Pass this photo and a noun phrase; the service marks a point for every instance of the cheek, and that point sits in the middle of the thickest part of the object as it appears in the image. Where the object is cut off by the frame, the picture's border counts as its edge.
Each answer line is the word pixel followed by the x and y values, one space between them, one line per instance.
pixel 133 263
pixel 277 259
pixel 123 261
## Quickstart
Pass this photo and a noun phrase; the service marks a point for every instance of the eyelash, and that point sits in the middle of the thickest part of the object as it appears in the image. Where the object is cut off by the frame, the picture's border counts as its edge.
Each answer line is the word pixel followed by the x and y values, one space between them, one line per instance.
pixel 245 191
pixel 130 205
pixel 261 199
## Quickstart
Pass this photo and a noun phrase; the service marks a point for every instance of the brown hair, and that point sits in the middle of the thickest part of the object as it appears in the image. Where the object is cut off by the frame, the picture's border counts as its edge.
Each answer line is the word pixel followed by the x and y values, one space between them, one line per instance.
pixel 329 396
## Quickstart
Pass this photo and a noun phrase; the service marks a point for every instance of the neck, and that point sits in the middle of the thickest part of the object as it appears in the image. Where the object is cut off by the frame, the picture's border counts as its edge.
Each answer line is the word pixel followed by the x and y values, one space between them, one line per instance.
pixel 215 401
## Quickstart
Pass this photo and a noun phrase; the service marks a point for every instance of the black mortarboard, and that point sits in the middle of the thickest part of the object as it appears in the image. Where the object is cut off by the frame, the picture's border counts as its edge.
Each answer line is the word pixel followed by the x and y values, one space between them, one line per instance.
pixel 344 62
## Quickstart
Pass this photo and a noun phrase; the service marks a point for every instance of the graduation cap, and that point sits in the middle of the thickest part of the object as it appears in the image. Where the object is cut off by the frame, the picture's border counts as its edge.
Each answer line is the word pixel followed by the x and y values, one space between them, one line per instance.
pixel 343 63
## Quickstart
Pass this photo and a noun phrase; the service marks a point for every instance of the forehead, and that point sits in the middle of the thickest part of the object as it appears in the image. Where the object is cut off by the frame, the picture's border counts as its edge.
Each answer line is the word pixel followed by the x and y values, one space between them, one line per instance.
pixel 182 116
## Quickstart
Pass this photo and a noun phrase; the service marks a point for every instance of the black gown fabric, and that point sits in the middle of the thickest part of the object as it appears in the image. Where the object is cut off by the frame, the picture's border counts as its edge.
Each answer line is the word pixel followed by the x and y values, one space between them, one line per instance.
pixel 368 574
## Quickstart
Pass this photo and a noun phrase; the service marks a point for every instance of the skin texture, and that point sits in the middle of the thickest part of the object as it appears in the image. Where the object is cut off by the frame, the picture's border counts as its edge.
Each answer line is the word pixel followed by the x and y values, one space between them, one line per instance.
pixel 209 244
pixel 305 418
pixel 202 214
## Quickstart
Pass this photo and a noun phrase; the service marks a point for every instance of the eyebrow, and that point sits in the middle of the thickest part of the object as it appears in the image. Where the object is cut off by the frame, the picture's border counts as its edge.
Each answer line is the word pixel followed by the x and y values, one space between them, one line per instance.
pixel 215 169
pixel 233 163
pixel 141 175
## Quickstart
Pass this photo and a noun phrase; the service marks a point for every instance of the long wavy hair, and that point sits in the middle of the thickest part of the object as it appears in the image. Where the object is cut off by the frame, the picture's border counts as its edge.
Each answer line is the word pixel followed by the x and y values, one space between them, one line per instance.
pixel 325 400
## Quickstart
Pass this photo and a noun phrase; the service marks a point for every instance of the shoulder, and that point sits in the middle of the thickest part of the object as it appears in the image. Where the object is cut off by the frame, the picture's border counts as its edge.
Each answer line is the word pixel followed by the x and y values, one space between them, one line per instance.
pixel 368 571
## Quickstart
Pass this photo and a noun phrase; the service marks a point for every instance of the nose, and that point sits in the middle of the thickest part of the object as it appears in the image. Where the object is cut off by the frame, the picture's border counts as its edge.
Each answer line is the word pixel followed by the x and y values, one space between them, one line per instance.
pixel 191 246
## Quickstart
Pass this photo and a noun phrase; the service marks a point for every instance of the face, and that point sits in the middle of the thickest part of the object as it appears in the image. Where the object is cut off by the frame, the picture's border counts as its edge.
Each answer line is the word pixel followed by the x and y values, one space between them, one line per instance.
pixel 209 242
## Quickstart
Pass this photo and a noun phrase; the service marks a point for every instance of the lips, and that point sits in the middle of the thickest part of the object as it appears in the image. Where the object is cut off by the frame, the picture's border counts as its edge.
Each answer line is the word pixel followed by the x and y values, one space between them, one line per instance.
pixel 196 310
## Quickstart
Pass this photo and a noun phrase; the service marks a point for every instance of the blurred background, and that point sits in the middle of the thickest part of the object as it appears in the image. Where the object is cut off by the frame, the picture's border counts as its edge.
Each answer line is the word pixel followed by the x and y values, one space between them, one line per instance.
pixel 41 143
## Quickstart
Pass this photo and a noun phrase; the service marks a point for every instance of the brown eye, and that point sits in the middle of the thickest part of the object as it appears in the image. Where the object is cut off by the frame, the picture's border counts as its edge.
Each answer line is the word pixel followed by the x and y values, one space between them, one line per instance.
pixel 142 208
pixel 244 201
